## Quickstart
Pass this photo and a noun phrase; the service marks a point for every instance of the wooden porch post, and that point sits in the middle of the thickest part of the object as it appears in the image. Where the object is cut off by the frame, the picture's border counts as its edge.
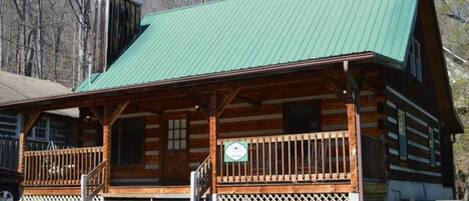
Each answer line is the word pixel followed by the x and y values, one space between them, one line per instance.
pixel 213 133
pixel 354 130
pixel 351 111
pixel 107 148
pixel 110 115
pixel 26 125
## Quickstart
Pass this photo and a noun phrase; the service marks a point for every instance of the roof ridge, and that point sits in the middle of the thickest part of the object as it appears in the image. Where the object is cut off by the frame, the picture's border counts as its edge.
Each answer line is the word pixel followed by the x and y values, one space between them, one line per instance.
pixel 183 8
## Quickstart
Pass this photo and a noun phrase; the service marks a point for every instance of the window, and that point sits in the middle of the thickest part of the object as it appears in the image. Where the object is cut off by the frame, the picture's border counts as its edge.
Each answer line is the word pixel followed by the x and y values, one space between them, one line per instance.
pixel 302 117
pixel 402 134
pixel 431 145
pixel 41 130
pixel 127 141
pixel 177 134
pixel 415 60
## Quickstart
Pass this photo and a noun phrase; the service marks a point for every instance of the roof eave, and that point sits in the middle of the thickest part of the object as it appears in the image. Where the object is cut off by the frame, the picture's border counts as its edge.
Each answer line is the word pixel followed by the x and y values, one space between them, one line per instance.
pixel 283 68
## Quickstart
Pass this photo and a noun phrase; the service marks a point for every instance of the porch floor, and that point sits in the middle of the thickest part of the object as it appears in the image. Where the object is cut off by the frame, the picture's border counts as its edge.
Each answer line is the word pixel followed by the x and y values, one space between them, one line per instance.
pixel 170 192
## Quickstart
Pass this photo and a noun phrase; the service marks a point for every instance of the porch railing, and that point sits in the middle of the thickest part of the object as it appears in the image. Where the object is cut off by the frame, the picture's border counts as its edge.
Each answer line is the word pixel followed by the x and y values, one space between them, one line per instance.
pixel 93 182
pixel 62 167
pixel 295 158
pixel 200 180
pixel 9 150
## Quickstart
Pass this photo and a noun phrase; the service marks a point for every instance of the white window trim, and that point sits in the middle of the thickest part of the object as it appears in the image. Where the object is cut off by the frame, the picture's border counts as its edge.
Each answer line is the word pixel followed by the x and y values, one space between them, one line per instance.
pixel 416 59
pixel 431 147
pixel 47 132
pixel 402 134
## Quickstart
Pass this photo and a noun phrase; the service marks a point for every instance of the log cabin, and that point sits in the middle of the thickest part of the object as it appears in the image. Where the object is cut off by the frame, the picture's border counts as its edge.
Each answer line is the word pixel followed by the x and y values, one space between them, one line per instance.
pixel 256 100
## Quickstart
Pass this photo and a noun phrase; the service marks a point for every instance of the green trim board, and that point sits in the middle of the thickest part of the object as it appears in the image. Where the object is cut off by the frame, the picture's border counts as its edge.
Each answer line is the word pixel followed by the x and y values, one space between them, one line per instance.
pixel 232 35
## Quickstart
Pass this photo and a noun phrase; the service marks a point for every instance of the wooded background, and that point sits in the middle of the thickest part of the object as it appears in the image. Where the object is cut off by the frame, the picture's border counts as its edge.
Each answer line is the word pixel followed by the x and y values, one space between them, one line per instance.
pixel 55 40
pixel 453 16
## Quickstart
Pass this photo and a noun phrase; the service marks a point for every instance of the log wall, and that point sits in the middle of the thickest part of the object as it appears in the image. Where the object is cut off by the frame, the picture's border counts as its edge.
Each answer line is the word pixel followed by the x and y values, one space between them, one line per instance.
pixel 240 119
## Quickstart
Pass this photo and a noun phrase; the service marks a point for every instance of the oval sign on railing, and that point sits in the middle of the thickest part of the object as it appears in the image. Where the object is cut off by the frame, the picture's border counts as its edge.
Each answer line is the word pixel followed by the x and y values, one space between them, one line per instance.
pixel 235 151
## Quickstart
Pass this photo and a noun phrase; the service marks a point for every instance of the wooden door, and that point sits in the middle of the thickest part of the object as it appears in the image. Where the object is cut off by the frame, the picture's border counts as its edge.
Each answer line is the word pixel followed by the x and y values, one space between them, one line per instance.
pixel 176 161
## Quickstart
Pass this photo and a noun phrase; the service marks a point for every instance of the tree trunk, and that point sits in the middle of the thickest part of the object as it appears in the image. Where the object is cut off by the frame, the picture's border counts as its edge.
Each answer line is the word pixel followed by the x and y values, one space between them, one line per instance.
pixel 29 54
pixel 38 41
pixel 24 51
pixel 1 36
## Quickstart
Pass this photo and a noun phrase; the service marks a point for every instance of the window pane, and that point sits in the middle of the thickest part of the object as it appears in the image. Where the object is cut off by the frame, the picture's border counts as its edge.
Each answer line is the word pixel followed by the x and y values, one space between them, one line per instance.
pixel 183 134
pixel 170 134
pixel 176 134
pixel 183 123
pixel 170 124
pixel 176 145
pixel 176 123
pixel 170 144
pixel 402 134
pixel 183 144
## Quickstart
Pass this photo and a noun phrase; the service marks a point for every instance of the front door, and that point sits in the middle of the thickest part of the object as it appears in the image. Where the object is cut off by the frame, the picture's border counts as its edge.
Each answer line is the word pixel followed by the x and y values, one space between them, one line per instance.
pixel 176 165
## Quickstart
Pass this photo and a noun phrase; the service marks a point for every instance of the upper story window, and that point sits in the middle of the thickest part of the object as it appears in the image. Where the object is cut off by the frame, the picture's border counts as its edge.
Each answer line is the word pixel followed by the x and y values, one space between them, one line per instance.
pixel 431 144
pixel 401 123
pixel 41 131
pixel 415 60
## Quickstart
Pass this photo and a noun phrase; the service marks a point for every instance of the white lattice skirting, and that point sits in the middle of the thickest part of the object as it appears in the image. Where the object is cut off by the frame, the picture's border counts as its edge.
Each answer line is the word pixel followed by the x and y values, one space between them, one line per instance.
pixel 56 198
pixel 285 197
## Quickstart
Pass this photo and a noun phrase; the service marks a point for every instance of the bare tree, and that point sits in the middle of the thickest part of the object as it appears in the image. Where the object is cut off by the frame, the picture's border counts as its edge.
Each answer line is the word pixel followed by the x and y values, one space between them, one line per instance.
pixel 81 10
pixel 1 34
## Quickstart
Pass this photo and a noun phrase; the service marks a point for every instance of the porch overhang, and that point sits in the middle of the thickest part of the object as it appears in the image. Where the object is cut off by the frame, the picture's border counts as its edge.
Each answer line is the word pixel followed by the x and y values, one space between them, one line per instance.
pixel 209 81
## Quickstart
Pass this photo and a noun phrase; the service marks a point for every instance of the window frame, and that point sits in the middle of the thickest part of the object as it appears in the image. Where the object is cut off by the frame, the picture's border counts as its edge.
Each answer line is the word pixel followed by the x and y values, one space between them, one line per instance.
pixel 431 146
pixel 118 135
pixel 402 133
pixel 172 139
pixel 47 129
pixel 287 116
pixel 415 60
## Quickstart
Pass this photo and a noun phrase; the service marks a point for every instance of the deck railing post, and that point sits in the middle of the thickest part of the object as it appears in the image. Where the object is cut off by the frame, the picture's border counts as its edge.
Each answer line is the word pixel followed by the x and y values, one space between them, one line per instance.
pixel 193 186
pixel 84 187
pixel 26 125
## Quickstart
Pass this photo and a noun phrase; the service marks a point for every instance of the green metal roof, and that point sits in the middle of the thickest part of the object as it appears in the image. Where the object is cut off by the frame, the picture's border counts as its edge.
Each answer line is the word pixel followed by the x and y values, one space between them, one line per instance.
pixel 231 35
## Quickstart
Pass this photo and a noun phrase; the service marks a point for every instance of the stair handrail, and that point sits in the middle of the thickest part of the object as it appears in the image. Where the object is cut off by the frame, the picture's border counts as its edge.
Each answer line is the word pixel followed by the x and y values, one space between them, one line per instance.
pixel 93 182
pixel 200 180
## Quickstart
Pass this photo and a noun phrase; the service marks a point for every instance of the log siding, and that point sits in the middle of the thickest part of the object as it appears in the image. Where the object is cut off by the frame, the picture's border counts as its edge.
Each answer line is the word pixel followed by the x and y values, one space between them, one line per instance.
pixel 417 166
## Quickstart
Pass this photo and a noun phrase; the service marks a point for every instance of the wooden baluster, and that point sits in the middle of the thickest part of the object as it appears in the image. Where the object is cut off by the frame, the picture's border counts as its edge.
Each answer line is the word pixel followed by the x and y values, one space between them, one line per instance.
pixel 316 159
pixel 220 155
pixel 245 163
pixel 329 138
pixel 295 141
pixel 270 158
pixel 257 160
pixel 289 157
pixel 263 161
pixel 323 156
pixel 309 157
pixel 302 140
pixel 276 158
pixel 336 154
pixel 344 156
pixel 251 159
pixel 282 146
